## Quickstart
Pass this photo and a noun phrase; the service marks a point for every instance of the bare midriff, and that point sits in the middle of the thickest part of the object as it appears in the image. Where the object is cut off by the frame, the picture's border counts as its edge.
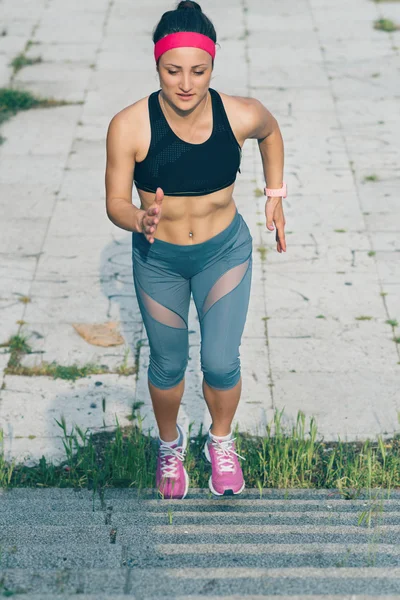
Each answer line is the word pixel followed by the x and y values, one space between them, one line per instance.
pixel 192 219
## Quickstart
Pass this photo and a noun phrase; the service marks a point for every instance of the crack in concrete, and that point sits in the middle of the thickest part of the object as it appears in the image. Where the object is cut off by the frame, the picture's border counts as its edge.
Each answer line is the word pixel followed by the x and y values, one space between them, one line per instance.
pixel 300 294
pixel 353 258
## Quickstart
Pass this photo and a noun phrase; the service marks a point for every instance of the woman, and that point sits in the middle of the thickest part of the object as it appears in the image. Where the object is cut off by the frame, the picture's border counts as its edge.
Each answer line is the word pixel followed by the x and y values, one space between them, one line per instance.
pixel 182 146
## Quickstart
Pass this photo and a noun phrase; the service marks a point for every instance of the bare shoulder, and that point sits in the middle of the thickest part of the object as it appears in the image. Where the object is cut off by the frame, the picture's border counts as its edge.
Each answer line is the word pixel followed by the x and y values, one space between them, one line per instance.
pixel 249 116
pixel 132 112
pixel 130 126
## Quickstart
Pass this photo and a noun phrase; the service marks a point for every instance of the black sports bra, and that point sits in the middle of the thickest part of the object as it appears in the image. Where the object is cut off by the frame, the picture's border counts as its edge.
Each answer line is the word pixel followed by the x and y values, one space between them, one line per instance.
pixel 184 169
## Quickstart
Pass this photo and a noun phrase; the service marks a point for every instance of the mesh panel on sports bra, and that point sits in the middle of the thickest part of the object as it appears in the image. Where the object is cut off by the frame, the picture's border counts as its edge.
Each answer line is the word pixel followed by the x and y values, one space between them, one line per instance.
pixel 225 284
pixel 184 169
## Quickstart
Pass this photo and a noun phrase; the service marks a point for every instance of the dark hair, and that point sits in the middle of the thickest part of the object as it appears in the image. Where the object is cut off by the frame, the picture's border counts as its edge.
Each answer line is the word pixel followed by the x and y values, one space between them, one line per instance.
pixel 187 16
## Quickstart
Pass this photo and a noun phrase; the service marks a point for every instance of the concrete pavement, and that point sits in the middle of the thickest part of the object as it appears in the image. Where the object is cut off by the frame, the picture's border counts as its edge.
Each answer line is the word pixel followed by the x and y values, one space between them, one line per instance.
pixel 297 544
pixel 331 80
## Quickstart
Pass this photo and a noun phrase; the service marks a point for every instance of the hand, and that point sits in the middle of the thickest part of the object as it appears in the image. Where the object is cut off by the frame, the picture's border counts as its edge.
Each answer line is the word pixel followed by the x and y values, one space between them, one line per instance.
pixel 148 220
pixel 274 212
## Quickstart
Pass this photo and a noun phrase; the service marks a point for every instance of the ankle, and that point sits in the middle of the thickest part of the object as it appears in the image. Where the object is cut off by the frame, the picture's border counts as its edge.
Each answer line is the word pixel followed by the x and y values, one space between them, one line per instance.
pixel 169 436
pixel 220 432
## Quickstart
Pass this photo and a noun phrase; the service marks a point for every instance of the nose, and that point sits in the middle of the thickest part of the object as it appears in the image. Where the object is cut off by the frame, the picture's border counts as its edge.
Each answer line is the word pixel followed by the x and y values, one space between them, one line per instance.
pixel 186 85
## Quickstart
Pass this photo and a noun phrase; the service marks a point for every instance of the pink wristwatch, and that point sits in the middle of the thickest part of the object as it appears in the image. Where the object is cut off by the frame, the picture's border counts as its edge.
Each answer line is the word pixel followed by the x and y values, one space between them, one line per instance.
pixel 282 192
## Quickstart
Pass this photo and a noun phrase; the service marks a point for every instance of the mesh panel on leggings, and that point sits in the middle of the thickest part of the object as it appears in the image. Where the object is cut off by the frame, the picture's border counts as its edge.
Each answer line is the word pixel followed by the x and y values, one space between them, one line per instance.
pixel 162 313
pixel 225 284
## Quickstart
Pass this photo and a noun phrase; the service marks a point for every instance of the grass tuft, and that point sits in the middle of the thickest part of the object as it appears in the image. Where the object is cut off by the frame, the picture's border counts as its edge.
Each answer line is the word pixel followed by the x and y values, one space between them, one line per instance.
pixel 371 178
pixel 127 456
pixel 363 318
pixel 18 345
pixel 57 371
pixel 392 322
pixel 262 249
pixel 13 101
pixel 21 61
pixel 386 25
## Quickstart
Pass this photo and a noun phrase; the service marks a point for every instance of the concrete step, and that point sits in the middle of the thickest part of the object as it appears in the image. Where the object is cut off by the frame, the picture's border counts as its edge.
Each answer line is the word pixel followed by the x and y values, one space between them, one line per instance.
pixel 146 554
pixel 67 494
pixel 65 543
pixel 202 531
pixel 191 582
pixel 268 516
pixel 211 597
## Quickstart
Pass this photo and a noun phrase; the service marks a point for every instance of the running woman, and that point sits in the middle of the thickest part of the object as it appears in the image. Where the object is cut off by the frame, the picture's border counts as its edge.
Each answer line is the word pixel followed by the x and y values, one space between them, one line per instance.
pixel 182 146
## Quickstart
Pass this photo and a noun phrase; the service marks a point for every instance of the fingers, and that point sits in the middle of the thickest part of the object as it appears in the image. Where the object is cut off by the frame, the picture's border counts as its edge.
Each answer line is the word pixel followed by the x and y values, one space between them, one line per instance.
pixel 153 215
pixel 150 224
pixel 269 214
pixel 274 214
pixel 270 224
pixel 154 210
pixel 279 234
pixel 159 195
pixel 280 238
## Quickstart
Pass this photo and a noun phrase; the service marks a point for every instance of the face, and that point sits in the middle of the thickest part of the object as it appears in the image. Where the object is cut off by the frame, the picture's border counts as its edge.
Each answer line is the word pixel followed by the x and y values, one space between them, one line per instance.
pixel 185 71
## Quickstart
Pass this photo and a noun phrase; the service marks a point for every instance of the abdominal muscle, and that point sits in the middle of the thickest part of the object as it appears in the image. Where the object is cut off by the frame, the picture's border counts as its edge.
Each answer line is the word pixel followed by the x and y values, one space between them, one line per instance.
pixel 188 220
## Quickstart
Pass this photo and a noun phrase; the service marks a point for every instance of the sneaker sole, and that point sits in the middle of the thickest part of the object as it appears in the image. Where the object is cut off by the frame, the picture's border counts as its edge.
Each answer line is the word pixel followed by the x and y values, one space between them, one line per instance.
pixel 210 485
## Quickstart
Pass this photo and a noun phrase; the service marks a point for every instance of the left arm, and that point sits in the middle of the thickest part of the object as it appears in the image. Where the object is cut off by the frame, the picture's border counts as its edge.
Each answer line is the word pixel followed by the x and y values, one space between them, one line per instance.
pixel 263 126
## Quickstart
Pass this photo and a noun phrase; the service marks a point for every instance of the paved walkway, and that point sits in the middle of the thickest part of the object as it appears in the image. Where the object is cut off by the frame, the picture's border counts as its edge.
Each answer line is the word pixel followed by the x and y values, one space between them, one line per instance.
pixel 294 544
pixel 331 80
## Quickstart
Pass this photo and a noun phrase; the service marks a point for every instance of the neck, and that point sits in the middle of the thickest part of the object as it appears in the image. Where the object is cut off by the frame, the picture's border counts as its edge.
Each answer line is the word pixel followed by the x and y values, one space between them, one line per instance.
pixel 190 116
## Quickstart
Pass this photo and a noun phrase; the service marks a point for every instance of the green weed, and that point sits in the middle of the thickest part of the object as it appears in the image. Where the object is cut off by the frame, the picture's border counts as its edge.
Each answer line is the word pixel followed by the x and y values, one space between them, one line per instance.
pixel 385 25
pixel 18 345
pixel 21 61
pixel 126 457
pixel 363 318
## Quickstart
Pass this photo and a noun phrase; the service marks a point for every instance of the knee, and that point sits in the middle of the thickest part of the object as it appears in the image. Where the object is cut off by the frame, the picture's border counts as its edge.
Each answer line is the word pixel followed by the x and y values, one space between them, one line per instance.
pixel 220 375
pixel 166 374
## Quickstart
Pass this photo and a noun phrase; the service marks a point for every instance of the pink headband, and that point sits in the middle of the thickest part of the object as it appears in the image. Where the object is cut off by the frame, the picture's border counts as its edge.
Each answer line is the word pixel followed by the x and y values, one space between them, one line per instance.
pixel 184 38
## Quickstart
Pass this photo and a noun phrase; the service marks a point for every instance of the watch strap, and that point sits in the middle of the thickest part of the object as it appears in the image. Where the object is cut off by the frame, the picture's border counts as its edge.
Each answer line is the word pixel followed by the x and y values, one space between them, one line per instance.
pixel 276 192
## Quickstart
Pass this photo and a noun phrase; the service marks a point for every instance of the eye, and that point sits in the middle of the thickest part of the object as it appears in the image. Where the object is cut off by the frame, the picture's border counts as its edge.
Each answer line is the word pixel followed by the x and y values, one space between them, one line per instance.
pixel 172 72
pixel 199 72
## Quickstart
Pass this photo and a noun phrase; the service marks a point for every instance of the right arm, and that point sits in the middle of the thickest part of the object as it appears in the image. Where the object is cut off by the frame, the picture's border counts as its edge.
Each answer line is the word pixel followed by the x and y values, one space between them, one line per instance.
pixel 120 167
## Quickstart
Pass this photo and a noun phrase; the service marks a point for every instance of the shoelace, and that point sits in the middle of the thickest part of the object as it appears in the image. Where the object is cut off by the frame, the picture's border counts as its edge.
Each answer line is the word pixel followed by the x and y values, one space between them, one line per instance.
pixel 224 451
pixel 170 469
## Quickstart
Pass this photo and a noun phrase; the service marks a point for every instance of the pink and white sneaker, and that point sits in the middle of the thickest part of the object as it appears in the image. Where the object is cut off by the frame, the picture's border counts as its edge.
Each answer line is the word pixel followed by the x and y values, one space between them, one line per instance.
pixel 227 476
pixel 172 480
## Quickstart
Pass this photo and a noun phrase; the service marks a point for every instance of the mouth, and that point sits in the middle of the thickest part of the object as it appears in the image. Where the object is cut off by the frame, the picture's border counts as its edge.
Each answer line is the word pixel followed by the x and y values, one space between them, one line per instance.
pixel 185 96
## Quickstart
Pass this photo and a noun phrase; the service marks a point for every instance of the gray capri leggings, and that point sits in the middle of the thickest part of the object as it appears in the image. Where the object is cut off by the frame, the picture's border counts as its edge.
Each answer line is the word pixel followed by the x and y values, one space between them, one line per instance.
pixel 218 274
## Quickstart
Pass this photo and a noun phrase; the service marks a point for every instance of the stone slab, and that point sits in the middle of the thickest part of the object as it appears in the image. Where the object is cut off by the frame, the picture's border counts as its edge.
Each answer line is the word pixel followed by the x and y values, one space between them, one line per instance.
pixel 44 340
pixel 43 131
pixel 332 88
pixel 30 408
